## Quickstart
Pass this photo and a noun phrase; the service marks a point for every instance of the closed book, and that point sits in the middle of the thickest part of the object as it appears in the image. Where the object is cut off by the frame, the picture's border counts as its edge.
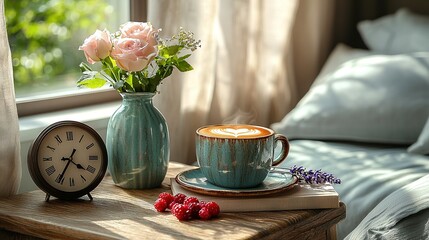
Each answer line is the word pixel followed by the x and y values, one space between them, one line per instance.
pixel 301 196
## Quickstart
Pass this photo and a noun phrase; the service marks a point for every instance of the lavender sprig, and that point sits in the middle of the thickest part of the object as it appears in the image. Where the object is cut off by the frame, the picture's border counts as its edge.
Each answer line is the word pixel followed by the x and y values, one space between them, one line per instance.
pixel 313 177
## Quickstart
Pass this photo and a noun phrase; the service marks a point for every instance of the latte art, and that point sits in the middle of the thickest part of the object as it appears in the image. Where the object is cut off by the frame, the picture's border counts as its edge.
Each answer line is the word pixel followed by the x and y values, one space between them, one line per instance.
pixel 234 131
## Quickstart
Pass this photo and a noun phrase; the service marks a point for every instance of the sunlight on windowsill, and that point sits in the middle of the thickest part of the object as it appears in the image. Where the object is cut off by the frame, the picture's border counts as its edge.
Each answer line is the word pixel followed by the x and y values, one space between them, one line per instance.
pixel 95 116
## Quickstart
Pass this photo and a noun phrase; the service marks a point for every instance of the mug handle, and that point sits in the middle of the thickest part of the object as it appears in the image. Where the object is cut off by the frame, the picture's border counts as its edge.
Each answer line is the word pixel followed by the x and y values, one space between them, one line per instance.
pixel 285 149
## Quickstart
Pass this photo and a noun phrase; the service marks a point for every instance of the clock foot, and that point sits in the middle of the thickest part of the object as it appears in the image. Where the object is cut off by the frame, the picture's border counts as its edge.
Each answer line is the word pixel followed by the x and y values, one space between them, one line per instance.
pixel 90 197
pixel 47 197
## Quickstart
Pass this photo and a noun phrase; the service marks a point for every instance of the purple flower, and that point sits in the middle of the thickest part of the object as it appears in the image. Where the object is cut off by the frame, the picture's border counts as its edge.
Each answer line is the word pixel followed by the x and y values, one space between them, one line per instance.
pixel 313 177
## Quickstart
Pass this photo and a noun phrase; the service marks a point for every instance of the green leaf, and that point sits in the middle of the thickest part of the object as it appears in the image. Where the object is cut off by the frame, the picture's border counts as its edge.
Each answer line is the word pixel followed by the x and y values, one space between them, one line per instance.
pixel 127 88
pixel 161 74
pixel 129 80
pixel 91 79
pixel 109 62
pixel 136 83
pixel 169 51
pixel 91 82
pixel 184 66
pixel 161 61
pixel 110 68
pixel 184 57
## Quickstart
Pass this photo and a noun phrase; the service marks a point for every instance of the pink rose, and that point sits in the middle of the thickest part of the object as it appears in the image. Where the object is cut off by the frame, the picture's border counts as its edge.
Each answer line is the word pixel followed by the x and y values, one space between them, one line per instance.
pixel 140 30
pixel 97 46
pixel 132 54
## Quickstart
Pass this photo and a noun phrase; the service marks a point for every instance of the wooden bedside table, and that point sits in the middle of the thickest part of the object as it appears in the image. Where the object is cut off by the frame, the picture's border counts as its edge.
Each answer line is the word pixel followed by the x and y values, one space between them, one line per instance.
pixel 116 213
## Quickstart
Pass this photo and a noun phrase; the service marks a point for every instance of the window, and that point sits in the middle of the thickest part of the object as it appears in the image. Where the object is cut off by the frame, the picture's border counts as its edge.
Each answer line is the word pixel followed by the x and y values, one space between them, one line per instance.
pixel 44 36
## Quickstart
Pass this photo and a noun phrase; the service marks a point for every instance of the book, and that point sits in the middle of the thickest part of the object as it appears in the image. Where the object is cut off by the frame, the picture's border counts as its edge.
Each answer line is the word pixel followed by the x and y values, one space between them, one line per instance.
pixel 301 196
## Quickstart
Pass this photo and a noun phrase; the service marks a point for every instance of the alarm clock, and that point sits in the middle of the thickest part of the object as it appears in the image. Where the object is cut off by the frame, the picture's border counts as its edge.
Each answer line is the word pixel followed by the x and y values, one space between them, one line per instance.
pixel 67 160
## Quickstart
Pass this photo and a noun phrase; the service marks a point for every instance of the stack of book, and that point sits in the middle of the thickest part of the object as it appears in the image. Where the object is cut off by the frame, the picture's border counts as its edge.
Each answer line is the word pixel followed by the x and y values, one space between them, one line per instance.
pixel 301 196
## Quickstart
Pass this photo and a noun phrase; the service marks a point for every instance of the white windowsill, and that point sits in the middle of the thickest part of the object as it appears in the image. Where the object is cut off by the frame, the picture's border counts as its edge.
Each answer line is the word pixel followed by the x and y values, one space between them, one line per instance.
pixel 96 116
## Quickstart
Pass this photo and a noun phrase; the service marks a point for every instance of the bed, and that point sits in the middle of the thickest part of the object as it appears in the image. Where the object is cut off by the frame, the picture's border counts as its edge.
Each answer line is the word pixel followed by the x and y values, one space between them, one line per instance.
pixel 366 120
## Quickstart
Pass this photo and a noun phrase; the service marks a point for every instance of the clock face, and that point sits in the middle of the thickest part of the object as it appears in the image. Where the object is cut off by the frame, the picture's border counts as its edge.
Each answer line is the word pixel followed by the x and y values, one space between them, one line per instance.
pixel 68 159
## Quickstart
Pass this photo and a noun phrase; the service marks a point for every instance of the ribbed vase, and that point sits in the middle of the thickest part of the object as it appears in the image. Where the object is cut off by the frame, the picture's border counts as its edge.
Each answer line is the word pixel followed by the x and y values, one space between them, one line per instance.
pixel 137 143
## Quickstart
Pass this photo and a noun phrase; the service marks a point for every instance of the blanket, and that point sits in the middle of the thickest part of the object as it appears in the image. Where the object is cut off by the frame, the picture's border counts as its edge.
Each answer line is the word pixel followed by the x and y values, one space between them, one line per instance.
pixel 404 214
pixel 369 174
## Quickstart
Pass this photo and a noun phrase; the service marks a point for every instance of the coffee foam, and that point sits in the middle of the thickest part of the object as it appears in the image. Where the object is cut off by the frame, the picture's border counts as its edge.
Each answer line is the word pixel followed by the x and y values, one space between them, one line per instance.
pixel 234 131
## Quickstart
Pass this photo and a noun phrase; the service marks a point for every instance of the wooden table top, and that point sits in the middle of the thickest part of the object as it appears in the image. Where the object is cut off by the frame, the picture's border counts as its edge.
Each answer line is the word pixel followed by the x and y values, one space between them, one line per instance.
pixel 116 213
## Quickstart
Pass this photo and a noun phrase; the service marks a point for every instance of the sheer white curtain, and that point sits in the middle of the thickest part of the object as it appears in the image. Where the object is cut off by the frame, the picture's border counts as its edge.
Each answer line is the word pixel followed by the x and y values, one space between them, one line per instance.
pixel 244 72
pixel 10 164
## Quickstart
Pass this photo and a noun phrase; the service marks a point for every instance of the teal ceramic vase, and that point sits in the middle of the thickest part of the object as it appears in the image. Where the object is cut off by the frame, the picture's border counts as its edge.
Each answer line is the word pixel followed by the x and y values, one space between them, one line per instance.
pixel 137 143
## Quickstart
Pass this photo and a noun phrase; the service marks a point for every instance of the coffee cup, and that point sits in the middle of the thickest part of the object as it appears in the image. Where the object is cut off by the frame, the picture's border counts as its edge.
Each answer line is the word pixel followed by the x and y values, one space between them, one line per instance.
pixel 238 155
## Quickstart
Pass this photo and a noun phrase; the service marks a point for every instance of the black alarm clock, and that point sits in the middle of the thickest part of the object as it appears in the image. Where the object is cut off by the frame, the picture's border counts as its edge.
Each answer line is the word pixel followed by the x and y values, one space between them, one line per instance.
pixel 67 160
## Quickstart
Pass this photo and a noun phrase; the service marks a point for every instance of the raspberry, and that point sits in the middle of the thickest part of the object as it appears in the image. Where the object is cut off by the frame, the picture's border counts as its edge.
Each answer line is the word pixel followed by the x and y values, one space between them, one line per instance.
pixel 185 208
pixel 194 208
pixel 179 198
pixel 181 212
pixel 213 208
pixel 202 203
pixel 189 200
pixel 171 205
pixel 167 196
pixel 204 213
pixel 160 205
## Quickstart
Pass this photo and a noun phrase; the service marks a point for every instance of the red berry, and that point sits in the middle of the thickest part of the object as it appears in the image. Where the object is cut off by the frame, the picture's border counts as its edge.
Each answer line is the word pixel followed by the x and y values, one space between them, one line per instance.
pixel 213 208
pixel 160 205
pixel 171 205
pixel 167 197
pixel 185 208
pixel 194 208
pixel 181 212
pixel 179 198
pixel 189 200
pixel 204 213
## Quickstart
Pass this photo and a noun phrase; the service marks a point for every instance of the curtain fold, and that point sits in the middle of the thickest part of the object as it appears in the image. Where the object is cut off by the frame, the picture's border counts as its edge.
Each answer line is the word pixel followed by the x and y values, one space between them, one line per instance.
pixel 10 162
pixel 245 71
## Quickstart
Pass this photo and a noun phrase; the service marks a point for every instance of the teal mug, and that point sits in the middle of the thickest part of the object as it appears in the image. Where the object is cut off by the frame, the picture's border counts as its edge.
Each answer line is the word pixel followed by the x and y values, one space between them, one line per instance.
pixel 238 156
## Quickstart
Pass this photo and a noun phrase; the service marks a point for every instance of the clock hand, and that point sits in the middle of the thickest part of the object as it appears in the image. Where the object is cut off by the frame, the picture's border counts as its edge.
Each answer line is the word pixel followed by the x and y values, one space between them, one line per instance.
pixel 61 176
pixel 71 156
pixel 67 165
pixel 77 165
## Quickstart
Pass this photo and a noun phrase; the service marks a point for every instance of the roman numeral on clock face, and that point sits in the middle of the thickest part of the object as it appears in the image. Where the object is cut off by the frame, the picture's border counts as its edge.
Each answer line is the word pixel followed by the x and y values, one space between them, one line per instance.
pixel 71 180
pixel 90 146
pixel 57 137
pixel 69 136
pixel 90 169
pixel 53 149
pixel 50 170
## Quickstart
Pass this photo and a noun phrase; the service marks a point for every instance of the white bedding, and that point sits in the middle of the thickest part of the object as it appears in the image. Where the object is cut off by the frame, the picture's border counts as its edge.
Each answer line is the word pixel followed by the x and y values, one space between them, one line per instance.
pixel 393 217
pixel 368 173
pixel 371 97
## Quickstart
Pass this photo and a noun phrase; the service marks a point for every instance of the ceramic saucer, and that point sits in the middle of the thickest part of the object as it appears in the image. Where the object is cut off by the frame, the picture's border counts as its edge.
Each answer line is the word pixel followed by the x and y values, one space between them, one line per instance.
pixel 195 181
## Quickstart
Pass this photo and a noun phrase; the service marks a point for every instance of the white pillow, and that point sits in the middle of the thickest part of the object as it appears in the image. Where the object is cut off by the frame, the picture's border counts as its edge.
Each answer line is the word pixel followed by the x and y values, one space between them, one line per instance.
pixel 372 98
pixel 402 32
pixel 422 144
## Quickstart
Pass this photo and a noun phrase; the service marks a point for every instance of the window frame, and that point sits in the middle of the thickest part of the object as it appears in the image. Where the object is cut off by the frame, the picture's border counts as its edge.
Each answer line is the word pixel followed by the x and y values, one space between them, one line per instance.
pixel 44 104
